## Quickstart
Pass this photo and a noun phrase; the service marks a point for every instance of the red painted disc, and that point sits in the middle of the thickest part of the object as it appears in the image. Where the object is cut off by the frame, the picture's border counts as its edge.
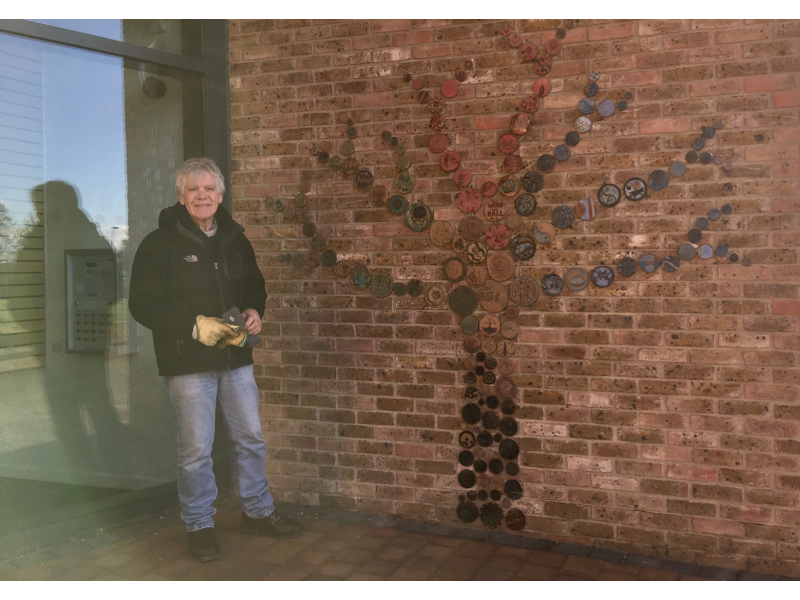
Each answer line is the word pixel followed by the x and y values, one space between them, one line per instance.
pixel 520 123
pixel 469 200
pixel 489 189
pixel 512 163
pixel 542 87
pixel 553 46
pixel 528 51
pixel 450 161
pixel 515 40
pixel 498 236
pixel 438 143
pixel 506 31
pixel 508 143
pixel 530 104
pixel 417 84
pixel 463 177
pixel 450 88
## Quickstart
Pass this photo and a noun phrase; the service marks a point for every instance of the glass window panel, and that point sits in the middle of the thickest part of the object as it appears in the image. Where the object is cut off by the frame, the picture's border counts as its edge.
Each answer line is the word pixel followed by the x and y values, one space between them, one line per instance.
pixel 89 145
pixel 179 36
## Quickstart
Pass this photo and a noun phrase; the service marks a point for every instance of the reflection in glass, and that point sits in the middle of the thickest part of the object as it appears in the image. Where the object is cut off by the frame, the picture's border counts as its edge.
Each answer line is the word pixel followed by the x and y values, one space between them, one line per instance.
pixel 87 157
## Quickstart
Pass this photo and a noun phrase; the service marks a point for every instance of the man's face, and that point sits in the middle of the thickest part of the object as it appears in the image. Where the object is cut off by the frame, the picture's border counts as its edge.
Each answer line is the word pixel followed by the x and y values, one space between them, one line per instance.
pixel 201 199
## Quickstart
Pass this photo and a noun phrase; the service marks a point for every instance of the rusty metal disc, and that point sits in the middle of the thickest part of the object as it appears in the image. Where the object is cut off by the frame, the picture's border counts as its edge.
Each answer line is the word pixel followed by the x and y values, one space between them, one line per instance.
pixel 436 105
pixel 658 180
pixel 463 300
pixel 524 290
pixel 381 285
pixel 450 88
pixel 328 258
pixel 379 196
pixel 342 269
pixel 572 139
pixel 364 180
pixel 505 367
pixel 309 229
pixel 403 162
pixel 477 252
pixel 349 165
pixel 489 325
pixel 463 177
pixel 506 31
pixel 508 426
pixel 436 294
pixel 488 189
pixel 360 276
pixel 513 489
pixel 476 276
pixel 450 161
pixel 415 287
pixel 544 232
pixel 515 518
pixel 347 148
pixel 461 75
pixel 520 123
pixel 399 288
pixel 513 221
pixel 437 143
pixel 335 163
pixel 459 245
pixel 494 209
pixel 468 512
pixel 512 311
pixel 509 329
pixel 528 51
pixel 488 345
pixel 441 233
pixel 397 205
pixel 505 387
pixel 493 297
pixel 404 182
pixel 515 40
pixel 469 200
pixel 466 479
pixel 498 236
pixel 586 209
pixel 491 515
pixel 552 285
pixel 454 269
pixel 532 182
pixel 542 65
pixel 508 449
pixel 471 228
pixel 300 200
pixel 437 122
pixel 553 46
pixel 563 216
pixel 512 163
pixel 501 266
pixel 530 104
pixel 416 83
pixel 507 143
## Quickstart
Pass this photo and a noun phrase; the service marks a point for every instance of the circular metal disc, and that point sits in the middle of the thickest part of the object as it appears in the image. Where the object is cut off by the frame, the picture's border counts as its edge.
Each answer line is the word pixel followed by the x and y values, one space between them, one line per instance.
pixel 576 279
pixel 508 143
pixel 530 104
pixel 544 232
pixel 381 286
pixel 415 287
pixel 523 247
pixel 397 205
pixel 733 257
pixel 726 209
pixel 364 180
pixel 512 163
pixel 437 143
pixel 520 123
pixel 694 235
pixel 542 87
pixel 378 196
pixel 404 182
pixel 699 143
pixel 436 294
pixel 586 106
pixel 524 290
pixel 671 264
pixel 488 189
pixel 658 180
pixel 635 189
pixel 722 250
pixel 705 251
pixel 591 89
pixel 476 276
pixel 515 519
pixel 561 152
pixel 360 276
pixel 493 297
pixel 583 124
pixel 328 258
pixel 691 157
pixel 649 263
pixel 525 204
pixel 466 439
pixel 463 300
pixel 450 88
pixel 463 177
pixel 532 182
pixel 702 223
pixel 509 329
pixel 498 236
pixel 347 148
pixel 706 157
pixel 714 214
pixel 606 108
pixel 466 478
pixel 594 75
pixel 471 228
pixel 686 251
pixel 450 161
pixel 603 276
pixel 441 233
pixel 586 209
pixel 563 216
pixel 454 269
pixel 419 217
pixel 501 266
pixel 677 169
pixel 468 512
pixel 573 138
pixel 609 195
pixel 627 267
pixel 469 324
pixel 709 132
pixel 552 285
pixel 469 200
pixel 399 288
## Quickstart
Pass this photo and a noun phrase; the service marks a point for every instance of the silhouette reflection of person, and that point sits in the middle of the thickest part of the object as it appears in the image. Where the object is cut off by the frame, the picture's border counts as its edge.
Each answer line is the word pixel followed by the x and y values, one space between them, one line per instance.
pixel 85 421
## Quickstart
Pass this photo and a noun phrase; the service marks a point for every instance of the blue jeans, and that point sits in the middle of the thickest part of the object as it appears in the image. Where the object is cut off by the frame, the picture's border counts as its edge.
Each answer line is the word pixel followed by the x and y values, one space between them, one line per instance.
pixel 195 399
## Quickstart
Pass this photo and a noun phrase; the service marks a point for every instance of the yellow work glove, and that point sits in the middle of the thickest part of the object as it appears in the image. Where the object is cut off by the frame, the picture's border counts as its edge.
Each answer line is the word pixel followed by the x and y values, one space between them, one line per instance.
pixel 239 338
pixel 210 330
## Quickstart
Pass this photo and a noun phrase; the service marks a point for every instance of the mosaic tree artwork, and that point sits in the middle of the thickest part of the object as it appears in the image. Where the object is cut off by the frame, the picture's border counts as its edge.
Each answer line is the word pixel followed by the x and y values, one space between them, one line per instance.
pixel 489 231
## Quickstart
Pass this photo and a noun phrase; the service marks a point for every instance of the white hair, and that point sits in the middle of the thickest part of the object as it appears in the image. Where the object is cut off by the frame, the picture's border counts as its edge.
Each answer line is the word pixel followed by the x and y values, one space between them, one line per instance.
pixel 193 168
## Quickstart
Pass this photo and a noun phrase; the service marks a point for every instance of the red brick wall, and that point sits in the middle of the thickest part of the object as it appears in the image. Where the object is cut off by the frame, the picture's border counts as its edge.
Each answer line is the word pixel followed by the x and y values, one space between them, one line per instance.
pixel 659 415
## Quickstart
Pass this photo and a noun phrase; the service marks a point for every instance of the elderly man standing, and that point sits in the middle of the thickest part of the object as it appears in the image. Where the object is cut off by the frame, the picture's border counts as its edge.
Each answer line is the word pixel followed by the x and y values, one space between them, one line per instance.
pixel 186 275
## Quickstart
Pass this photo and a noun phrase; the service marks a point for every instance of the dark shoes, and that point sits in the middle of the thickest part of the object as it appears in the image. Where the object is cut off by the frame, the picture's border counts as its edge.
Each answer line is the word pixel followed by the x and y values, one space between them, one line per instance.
pixel 274 526
pixel 203 545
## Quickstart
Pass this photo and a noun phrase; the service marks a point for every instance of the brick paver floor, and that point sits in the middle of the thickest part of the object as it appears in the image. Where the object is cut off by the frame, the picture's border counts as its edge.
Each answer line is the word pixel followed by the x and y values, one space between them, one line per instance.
pixel 329 550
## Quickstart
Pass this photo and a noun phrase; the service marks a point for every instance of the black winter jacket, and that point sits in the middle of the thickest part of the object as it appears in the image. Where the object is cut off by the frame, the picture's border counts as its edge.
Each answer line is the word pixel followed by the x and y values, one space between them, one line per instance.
pixel 179 273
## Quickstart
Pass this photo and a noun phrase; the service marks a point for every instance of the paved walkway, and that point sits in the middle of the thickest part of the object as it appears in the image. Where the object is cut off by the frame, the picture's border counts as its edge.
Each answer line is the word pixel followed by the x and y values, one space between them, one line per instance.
pixel 155 549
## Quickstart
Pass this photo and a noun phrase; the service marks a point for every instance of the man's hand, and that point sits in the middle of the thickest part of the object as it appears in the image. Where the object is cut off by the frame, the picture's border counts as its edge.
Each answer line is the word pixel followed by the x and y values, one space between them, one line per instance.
pixel 252 322
pixel 210 330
